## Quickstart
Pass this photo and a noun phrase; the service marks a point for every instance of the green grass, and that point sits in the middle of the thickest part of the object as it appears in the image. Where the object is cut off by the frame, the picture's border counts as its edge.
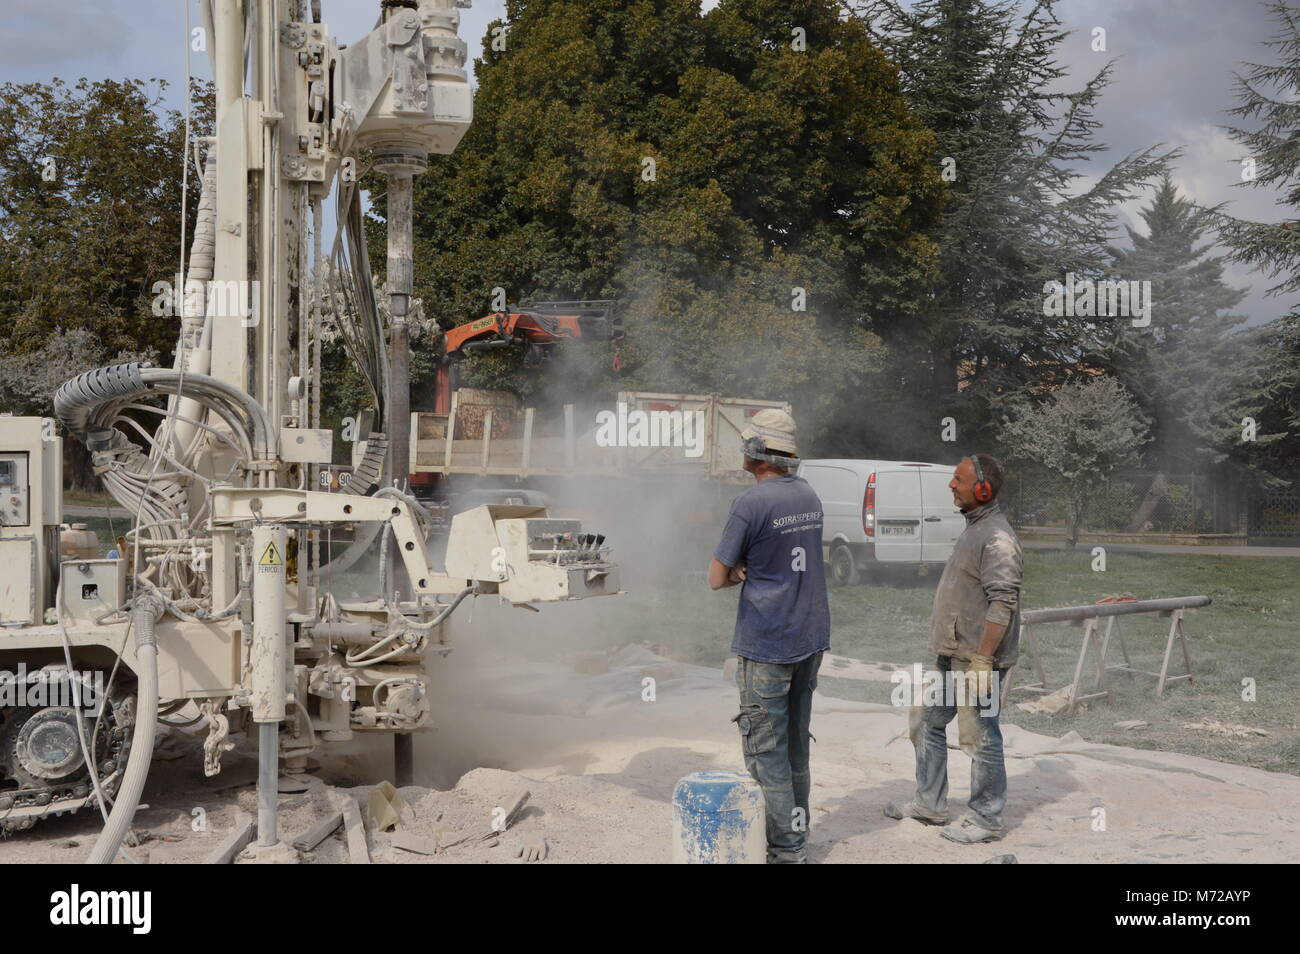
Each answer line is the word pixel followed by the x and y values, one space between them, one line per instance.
pixel 1249 631
pixel 87 498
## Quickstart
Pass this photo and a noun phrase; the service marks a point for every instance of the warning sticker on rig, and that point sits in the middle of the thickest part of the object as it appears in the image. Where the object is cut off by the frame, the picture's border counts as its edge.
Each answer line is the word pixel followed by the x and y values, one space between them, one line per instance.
pixel 270 556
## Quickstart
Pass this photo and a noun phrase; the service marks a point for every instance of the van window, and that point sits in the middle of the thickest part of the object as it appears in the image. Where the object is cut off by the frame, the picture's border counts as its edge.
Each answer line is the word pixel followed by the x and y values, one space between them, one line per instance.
pixel 833 484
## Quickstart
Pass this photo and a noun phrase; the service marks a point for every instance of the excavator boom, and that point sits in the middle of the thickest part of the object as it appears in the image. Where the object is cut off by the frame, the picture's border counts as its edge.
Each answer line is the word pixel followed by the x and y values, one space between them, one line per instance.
pixel 542 323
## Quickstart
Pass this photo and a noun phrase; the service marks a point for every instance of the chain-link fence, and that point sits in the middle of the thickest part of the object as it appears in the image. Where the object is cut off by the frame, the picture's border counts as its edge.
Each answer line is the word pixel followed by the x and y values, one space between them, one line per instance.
pixel 1136 502
pixel 1274 516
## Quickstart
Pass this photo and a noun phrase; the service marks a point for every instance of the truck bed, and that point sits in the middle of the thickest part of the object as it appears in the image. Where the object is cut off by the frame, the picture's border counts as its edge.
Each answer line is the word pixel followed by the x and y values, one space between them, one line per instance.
pixel 644 433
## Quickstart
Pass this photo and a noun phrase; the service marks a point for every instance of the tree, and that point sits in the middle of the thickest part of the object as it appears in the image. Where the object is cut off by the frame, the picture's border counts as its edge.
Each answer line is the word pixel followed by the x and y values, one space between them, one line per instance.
pixel 715 172
pixel 1268 388
pixel 90 218
pixel 1179 366
pixel 985 78
pixel 1268 395
pixel 90 206
pixel 1083 433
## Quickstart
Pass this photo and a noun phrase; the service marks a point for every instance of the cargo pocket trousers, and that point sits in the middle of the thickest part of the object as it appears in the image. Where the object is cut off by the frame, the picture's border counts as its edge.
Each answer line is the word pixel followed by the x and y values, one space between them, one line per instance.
pixel 774 719
pixel 988 774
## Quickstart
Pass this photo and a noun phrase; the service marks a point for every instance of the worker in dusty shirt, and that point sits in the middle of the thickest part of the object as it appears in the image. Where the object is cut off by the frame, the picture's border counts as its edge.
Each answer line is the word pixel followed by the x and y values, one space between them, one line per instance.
pixel 772 547
pixel 975 633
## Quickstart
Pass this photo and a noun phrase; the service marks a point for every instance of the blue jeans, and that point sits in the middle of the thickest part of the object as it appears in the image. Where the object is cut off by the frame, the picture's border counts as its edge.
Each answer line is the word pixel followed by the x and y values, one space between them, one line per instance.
pixel 775 712
pixel 988 775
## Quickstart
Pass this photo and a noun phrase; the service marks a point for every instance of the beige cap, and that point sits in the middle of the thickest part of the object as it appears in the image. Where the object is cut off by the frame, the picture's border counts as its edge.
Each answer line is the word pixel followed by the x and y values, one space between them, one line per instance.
pixel 775 427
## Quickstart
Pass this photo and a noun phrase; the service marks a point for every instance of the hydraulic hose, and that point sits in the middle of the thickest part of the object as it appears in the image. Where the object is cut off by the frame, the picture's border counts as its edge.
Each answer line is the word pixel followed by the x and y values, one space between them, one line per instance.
pixel 145 613
pixel 79 403
pixel 195 342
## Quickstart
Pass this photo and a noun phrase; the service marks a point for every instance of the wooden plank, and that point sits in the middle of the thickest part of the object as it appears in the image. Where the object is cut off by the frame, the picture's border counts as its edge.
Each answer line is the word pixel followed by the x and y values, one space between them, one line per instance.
pixel 413 843
pixel 318 832
pixel 1100 684
pixel 1038 661
pixel 569 435
pixel 1169 645
pixel 528 441
pixel 451 432
pixel 236 841
pixel 1175 633
pixel 358 847
pixel 487 442
pixel 1089 628
pixel 1123 648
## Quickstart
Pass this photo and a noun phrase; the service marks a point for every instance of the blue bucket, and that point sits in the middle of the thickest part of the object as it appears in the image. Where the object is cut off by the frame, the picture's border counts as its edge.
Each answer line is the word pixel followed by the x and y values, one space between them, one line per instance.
pixel 719 819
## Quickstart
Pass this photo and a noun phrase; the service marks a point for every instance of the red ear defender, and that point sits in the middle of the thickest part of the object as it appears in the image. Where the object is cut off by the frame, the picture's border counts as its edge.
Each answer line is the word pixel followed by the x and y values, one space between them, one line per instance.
pixel 983 489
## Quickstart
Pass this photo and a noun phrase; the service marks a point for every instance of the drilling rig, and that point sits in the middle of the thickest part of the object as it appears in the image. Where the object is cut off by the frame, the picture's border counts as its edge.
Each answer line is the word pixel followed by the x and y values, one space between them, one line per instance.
pixel 218 597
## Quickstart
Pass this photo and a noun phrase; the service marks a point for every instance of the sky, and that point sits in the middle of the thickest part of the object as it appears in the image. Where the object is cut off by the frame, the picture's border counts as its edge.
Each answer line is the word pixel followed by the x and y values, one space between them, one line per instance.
pixel 1173 81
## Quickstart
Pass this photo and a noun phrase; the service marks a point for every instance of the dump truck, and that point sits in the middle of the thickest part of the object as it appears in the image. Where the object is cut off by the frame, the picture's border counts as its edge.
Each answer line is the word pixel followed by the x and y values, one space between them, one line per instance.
pixel 488 433
pixel 676 455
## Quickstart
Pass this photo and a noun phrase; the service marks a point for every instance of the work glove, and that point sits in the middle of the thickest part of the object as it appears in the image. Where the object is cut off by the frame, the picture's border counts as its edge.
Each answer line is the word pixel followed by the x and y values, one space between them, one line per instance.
pixel 968 731
pixel 533 848
pixel 982 666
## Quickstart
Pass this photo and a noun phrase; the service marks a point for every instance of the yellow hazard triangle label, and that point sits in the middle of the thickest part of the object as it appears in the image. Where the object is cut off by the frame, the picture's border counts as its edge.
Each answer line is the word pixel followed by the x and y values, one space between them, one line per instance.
pixel 270 556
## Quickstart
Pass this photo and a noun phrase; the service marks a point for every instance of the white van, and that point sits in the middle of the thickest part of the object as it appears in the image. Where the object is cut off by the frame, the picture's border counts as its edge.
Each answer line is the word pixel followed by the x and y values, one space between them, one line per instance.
pixel 883 511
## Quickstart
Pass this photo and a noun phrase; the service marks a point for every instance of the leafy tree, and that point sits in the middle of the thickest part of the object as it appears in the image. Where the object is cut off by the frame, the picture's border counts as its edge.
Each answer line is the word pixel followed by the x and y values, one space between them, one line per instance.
pixel 1180 368
pixel 90 204
pixel 701 168
pixel 985 78
pixel 1083 433
pixel 28 381
pixel 90 216
pixel 1269 393
pixel 1269 381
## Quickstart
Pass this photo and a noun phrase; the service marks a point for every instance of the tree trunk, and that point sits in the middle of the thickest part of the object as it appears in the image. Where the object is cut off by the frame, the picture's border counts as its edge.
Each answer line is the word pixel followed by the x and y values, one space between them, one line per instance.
pixel 78 471
pixel 1074 520
pixel 944 375
pixel 1155 493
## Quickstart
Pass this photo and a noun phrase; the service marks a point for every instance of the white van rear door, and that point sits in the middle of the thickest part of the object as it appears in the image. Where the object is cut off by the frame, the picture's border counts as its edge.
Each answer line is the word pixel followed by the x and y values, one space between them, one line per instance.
pixel 943 522
pixel 841 500
pixel 898 515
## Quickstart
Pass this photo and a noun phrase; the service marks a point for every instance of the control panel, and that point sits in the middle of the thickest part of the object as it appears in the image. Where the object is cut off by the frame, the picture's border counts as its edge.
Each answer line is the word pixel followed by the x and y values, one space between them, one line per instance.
pixel 15 490
pixel 31 510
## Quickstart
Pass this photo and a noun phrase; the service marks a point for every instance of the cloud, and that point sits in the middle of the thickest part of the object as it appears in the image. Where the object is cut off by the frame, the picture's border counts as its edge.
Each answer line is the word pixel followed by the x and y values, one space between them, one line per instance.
pixel 36 35
pixel 1173 84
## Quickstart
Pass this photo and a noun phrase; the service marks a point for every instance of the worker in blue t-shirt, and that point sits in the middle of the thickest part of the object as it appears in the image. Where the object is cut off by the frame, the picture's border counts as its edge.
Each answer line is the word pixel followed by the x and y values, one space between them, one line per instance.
pixel 772 546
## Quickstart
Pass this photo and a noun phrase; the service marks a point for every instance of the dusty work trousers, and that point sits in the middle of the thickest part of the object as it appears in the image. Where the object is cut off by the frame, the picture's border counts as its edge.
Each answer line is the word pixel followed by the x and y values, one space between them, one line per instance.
pixel 988 774
pixel 775 713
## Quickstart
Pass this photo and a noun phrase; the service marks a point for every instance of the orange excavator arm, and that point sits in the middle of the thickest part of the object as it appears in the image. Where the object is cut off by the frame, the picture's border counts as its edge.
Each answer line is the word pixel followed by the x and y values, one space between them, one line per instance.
pixel 542 324
pixel 504 328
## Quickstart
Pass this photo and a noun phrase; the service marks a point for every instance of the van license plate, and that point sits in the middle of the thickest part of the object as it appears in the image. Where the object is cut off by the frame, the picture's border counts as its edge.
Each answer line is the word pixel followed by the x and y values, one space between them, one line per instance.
pixel 896 531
